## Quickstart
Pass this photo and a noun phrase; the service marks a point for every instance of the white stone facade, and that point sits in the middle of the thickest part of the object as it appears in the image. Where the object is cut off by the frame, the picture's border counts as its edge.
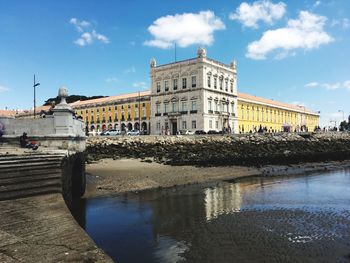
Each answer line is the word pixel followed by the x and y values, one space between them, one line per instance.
pixel 193 94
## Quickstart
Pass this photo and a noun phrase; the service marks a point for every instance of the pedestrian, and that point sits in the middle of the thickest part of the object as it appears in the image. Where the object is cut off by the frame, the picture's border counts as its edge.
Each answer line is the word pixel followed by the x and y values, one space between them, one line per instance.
pixel 25 143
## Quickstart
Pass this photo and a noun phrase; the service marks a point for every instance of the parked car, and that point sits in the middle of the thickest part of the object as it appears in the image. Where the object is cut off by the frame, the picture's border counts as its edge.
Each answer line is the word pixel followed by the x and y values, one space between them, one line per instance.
pixel 200 132
pixel 186 132
pixel 213 132
pixel 112 132
pixel 133 132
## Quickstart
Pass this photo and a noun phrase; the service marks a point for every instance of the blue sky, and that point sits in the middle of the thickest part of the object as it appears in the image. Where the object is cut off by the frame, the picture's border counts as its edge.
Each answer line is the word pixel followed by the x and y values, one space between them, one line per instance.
pixel 293 51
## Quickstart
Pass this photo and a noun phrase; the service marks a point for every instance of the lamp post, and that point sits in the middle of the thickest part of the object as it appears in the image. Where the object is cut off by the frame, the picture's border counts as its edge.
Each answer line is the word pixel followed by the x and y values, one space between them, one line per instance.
pixel 35 85
pixel 343 114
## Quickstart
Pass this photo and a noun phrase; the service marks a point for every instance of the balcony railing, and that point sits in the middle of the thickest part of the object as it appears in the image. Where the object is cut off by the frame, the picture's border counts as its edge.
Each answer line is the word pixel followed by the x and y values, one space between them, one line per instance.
pixel 183 112
pixel 210 111
pixel 158 114
pixel 193 111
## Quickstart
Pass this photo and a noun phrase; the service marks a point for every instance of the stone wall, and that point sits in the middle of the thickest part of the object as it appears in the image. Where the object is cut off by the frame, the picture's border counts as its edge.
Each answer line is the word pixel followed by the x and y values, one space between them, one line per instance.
pixel 250 149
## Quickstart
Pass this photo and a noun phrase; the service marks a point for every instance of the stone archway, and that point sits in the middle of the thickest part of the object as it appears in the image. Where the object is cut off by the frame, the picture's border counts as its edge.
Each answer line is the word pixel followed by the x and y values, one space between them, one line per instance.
pixel 92 128
pixel 98 128
pixel 104 127
pixel 129 126
pixel 123 127
pixel 116 126
pixel 110 126
pixel 137 126
pixel 144 126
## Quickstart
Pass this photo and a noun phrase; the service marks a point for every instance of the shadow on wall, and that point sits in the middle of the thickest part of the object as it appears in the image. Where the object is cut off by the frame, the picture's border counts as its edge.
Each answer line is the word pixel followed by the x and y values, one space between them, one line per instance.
pixel 73 177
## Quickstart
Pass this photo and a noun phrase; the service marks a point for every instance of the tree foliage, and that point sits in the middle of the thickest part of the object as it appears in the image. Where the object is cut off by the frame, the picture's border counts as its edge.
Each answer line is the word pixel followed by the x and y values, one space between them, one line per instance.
pixel 71 99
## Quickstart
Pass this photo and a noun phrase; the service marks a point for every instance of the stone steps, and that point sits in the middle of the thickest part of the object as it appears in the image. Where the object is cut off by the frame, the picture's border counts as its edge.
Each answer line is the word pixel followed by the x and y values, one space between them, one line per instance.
pixel 29 175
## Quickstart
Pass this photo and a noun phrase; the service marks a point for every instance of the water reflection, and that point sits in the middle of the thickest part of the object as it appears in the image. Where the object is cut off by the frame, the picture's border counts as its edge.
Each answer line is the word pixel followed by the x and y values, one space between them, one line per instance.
pixel 305 219
pixel 222 200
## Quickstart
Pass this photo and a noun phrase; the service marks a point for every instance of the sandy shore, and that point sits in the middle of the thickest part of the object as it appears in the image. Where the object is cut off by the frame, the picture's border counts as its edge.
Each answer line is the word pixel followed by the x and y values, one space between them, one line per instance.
pixel 109 176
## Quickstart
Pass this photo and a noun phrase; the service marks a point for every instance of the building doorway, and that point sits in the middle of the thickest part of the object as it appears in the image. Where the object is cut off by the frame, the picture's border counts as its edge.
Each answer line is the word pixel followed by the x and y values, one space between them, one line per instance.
pixel 174 127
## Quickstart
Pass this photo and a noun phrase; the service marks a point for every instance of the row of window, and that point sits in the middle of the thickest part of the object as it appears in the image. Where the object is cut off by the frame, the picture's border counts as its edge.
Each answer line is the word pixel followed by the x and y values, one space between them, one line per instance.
pixel 269 115
pixel 174 106
pixel 175 84
pixel 110 108
pixel 220 106
pixel 160 128
pixel 221 83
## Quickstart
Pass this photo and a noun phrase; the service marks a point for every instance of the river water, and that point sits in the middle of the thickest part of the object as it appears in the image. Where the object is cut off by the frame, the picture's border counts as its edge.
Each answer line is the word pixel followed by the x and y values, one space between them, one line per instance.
pixel 295 219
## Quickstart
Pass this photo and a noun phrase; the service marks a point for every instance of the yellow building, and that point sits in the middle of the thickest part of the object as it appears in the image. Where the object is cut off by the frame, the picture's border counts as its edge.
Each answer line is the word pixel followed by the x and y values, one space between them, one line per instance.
pixel 273 116
pixel 122 112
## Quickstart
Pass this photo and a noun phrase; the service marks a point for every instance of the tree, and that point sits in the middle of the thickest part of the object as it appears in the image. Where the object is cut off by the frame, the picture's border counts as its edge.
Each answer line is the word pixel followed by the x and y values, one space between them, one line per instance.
pixel 71 99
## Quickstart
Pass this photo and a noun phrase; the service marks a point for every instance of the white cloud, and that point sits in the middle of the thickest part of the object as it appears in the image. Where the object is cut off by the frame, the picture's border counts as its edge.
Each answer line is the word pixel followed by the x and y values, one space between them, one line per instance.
pixel 79 25
pixel 311 84
pixel 111 80
pixel 250 14
pixel 3 89
pixel 306 32
pixel 344 23
pixel 317 3
pixel 132 69
pixel 87 36
pixel 141 84
pixel 330 86
pixel 184 29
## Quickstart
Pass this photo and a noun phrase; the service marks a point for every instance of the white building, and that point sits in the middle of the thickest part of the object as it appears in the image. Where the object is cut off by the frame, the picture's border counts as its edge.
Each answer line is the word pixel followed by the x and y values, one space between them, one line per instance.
pixel 194 94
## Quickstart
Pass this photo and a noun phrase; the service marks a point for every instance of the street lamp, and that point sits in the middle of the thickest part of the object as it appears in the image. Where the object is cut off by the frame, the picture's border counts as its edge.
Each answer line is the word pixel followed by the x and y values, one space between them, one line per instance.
pixel 343 114
pixel 35 85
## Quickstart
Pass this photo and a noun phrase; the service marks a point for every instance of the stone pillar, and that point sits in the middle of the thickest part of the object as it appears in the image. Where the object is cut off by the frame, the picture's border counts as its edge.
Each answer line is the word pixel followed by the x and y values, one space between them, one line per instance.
pixel 63 115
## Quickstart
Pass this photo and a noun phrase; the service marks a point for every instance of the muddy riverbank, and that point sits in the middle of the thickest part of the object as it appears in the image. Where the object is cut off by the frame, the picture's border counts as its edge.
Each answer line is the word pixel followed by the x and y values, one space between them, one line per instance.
pixel 108 176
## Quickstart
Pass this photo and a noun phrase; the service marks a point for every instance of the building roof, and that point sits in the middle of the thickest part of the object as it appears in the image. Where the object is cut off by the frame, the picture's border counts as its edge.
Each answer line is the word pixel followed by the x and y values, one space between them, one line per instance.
pixel 8 113
pixel 110 99
pixel 260 100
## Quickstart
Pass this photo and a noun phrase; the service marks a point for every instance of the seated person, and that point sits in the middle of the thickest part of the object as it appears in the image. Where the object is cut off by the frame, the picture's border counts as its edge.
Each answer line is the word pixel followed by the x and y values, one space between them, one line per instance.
pixel 25 143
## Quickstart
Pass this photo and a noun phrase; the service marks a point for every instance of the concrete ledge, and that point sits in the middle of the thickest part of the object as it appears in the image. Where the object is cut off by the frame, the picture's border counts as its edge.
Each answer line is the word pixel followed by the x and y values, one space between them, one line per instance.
pixel 42 229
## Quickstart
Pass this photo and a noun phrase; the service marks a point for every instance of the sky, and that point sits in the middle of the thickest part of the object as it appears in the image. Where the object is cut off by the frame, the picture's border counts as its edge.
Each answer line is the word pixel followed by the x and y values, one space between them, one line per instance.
pixel 292 51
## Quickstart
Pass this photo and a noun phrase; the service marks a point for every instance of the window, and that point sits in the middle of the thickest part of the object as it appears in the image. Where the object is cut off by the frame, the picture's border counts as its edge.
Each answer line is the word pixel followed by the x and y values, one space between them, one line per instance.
pixel 215 82
pixel 144 111
pixel 210 124
pixel 158 108
pixel 103 109
pixel 166 106
pixel 209 81
pixel 184 83
pixel 184 125
pixel 158 126
pixel 253 114
pixel 247 113
pixel 194 81
pixel 175 84
pixel 216 105
pixel 210 105
pixel 166 85
pixel 194 105
pixel 216 124
pixel 242 112
pixel 231 86
pixel 226 85
pixel 174 106
pixel 221 82
pixel 136 112
pixel 194 124
pixel 158 86
pixel 233 108
pixel 184 106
